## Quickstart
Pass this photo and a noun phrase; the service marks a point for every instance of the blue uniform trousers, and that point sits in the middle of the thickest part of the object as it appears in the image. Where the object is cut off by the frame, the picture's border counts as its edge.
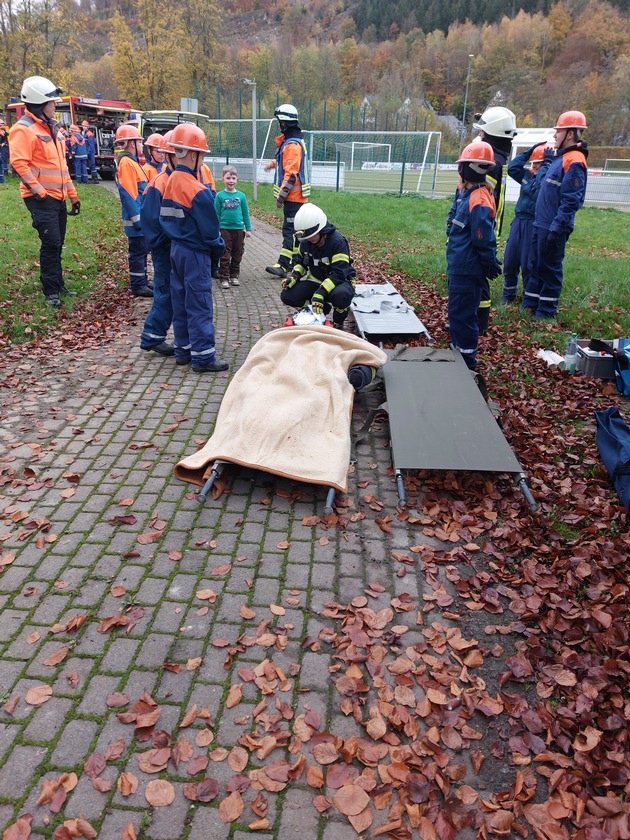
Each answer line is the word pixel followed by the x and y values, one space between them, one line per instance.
pixel 137 262
pixel 464 295
pixel 191 296
pixel 91 162
pixel 516 257
pixel 80 170
pixel 160 317
pixel 544 286
pixel 4 159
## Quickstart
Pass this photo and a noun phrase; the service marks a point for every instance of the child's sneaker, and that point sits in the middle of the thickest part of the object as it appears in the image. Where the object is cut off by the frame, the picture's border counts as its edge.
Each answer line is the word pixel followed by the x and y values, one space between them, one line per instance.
pixel 225 284
pixel 234 281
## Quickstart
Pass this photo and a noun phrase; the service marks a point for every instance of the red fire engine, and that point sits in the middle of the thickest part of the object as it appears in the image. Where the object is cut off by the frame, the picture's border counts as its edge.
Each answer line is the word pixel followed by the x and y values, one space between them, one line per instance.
pixel 104 116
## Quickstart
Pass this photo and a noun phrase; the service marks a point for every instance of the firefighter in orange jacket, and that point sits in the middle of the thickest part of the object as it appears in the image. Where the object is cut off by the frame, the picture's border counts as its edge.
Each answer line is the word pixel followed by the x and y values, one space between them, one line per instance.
pixel 292 186
pixel 38 156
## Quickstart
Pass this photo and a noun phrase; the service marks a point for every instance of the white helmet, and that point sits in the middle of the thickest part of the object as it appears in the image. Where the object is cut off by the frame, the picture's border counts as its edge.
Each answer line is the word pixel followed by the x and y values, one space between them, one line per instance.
pixel 36 90
pixel 286 113
pixel 309 220
pixel 497 122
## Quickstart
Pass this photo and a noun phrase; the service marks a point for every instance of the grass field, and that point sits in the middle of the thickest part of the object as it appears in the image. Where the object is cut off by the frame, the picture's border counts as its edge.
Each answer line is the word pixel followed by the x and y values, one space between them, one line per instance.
pixel 408 232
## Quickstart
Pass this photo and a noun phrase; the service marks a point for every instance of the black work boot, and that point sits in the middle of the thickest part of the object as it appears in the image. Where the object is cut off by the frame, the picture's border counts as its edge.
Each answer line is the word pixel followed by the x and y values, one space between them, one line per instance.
pixel 53 300
pixel 162 349
pixel 277 270
pixel 217 365
pixel 64 291
pixel 144 292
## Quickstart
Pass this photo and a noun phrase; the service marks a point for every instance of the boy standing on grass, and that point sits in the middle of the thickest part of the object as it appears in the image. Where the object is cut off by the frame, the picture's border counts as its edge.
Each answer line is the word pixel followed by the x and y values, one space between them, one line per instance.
pixel 233 214
pixel 471 251
pixel 189 220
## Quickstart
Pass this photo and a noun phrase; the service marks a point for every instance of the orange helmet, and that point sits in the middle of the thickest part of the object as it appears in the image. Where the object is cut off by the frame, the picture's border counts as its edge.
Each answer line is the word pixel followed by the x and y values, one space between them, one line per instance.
pixel 571 119
pixel 85 123
pixel 479 154
pixel 74 128
pixel 538 154
pixel 127 132
pixel 154 141
pixel 188 136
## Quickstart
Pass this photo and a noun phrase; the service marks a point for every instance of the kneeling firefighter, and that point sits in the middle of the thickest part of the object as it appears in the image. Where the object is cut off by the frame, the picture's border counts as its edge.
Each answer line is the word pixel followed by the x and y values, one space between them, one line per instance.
pixel 321 272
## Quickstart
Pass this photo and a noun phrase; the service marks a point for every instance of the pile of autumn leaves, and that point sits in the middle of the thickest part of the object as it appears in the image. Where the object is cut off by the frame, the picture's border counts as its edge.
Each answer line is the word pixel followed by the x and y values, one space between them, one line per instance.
pixel 418 707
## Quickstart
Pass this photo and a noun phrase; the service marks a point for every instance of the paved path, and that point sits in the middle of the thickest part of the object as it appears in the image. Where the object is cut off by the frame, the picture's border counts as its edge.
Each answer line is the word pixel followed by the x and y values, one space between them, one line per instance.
pixel 98 440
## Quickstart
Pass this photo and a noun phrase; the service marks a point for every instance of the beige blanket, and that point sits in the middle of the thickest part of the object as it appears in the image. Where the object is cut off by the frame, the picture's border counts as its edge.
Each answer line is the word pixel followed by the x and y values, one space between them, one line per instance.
pixel 287 410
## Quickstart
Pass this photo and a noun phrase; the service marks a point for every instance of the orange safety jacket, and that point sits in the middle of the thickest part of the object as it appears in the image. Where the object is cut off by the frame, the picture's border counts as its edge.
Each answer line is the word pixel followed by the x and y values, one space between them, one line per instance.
pixel 39 158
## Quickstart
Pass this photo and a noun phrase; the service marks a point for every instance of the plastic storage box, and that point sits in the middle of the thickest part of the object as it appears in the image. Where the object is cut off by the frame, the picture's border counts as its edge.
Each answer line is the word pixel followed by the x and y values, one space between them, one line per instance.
pixel 594 363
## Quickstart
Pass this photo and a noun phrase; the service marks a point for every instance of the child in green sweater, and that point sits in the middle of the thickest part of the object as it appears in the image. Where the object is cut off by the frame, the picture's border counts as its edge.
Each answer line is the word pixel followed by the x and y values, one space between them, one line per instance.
pixel 233 213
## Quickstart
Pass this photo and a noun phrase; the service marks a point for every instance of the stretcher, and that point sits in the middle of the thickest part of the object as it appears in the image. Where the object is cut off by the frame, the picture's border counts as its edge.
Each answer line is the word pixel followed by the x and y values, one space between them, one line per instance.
pixel 380 310
pixel 439 420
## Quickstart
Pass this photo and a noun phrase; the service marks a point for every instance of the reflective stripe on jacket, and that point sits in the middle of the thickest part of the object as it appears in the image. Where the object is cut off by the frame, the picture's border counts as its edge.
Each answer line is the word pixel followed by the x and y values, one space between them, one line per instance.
pixel 562 191
pixel 152 230
pixel 291 176
pixel 39 158
pixel 472 242
pixel 187 213
pixel 132 181
pixel 78 149
pixel 329 261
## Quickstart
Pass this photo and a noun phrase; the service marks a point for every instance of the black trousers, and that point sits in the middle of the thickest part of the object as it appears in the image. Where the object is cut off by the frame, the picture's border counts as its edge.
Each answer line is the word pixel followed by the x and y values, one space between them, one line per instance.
pixel 289 209
pixel 338 300
pixel 49 220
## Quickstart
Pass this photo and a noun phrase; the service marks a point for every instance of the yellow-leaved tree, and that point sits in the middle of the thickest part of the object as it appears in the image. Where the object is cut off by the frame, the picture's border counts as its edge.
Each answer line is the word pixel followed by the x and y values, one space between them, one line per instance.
pixel 151 68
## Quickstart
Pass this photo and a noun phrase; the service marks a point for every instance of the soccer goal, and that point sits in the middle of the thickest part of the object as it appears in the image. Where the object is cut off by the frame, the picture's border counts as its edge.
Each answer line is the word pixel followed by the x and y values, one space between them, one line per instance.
pixel 358 155
pixel 616 166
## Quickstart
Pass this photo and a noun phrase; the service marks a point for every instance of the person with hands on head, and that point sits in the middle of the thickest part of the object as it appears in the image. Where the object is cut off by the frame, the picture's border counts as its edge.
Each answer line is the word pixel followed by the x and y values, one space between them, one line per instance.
pixel 560 196
pixel 471 251
pixel 38 157
pixel 321 271
pixel 528 169
pixel 291 185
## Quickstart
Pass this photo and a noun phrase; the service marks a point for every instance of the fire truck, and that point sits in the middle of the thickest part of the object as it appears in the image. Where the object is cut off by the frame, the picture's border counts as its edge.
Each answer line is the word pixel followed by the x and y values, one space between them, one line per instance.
pixel 104 116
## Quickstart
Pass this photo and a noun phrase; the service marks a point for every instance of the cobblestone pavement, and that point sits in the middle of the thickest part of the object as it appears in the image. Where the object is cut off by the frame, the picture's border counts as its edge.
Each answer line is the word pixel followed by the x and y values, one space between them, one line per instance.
pixel 97 441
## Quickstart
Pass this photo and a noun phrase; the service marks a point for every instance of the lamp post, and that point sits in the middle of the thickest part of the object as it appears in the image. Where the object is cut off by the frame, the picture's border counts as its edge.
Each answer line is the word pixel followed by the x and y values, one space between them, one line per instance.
pixel 252 84
pixel 461 139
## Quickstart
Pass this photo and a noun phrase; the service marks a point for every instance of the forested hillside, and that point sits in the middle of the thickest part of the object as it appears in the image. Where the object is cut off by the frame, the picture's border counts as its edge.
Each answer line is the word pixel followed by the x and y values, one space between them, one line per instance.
pixel 404 59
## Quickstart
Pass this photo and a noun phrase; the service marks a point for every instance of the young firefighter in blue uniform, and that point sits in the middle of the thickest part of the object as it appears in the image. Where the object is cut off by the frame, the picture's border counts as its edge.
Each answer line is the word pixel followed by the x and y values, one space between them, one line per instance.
pixel 497 127
pixel 517 255
pixel 132 181
pixel 153 155
pixel 291 183
pixel 560 196
pixel 79 154
pixel 321 272
pixel 189 220
pixel 160 318
pixel 471 252
pixel 90 147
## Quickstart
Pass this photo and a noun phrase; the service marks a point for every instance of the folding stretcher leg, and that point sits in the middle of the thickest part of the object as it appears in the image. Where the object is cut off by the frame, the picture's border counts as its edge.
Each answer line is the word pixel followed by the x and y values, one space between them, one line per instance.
pixel 215 472
pixel 522 483
pixel 330 501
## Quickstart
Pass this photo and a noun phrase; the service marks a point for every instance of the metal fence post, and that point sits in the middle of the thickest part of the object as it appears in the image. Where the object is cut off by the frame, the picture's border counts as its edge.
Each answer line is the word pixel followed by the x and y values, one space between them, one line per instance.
pixel 338 170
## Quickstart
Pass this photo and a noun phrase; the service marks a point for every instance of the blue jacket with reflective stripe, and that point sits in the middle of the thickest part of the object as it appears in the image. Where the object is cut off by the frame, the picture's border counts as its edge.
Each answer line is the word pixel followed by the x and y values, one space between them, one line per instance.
pixel 187 213
pixel 562 190
pixel 472 244
pixel 530 182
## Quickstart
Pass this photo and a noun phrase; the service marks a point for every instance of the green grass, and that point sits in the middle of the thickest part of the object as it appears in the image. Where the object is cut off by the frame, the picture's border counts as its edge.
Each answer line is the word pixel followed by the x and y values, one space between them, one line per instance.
pixel 94 248
pixel 408 233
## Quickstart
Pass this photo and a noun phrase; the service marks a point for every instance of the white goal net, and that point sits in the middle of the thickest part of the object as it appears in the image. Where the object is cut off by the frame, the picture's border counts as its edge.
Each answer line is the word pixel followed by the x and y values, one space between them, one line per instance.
pixel 358 155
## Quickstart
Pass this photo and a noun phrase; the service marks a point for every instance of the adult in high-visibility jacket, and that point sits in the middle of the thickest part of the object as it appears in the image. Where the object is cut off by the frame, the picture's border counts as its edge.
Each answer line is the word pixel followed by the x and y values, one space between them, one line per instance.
pixel 471 252
pixel 160 318
pixel 132 181
pixel 4 151
pixel 38 157
pixel 189 220
pixel 528 169
pixel 561 195
pixel 321 273
pixel 78 150
pixel 496 126
pixel 292 186
pixel 90 147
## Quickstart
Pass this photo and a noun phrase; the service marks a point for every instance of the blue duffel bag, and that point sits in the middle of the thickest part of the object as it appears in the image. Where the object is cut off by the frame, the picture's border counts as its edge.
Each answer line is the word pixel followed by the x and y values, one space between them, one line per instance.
pixel 613 442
